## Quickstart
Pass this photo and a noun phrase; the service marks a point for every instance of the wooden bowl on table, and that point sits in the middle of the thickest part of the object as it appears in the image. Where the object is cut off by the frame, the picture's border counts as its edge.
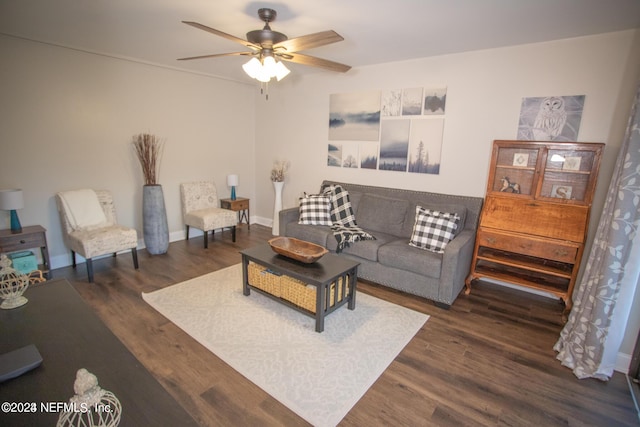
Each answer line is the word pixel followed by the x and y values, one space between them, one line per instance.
pixel 299 250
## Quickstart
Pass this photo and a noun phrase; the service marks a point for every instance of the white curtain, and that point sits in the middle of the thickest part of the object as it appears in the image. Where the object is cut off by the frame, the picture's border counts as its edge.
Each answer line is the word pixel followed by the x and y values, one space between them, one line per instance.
pixel 591 338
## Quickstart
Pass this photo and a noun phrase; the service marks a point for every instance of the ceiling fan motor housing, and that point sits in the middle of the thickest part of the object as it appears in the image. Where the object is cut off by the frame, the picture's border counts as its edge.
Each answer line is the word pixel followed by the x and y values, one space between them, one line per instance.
pixel 266 37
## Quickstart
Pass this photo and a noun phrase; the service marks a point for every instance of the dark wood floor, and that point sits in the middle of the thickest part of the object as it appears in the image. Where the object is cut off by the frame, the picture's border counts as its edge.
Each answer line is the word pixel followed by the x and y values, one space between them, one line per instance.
pixel 486 361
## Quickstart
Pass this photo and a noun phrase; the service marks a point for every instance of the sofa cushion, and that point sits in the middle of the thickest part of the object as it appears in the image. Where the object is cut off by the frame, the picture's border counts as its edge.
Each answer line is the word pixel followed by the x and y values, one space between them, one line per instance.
pixel 377 213
pixel 317 234
pixel 433 230
pixel 409 221
pixel 315 209
pixel 398 254
pixel 367 249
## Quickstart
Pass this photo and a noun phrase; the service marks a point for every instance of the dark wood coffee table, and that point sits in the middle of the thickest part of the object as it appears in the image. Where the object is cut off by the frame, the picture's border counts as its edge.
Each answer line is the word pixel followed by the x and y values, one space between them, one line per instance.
pixel 322 274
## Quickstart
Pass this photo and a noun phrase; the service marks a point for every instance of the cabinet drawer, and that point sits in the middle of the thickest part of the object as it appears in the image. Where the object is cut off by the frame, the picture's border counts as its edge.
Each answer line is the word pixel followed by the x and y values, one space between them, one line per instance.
pixel 235 205
pixel 554 221
pixel 22 242
pixel 240 205
pixel 541 248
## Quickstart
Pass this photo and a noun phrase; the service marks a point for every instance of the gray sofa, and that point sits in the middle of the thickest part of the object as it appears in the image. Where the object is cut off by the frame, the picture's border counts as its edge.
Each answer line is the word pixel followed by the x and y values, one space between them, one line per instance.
pixel 389 214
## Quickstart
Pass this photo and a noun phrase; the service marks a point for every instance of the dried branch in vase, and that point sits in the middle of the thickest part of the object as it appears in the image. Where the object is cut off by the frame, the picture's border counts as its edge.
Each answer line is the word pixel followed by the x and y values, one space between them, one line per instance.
pixel 279 170
pixel 149 150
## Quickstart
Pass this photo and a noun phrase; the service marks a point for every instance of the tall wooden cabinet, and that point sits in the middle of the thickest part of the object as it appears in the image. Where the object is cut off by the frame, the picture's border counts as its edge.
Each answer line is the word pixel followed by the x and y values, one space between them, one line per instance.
pixel 534 220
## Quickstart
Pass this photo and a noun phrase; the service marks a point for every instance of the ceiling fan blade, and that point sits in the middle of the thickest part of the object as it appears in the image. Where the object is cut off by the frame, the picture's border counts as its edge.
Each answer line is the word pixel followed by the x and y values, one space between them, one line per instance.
pixel 309 41
pixel 222 34
pixel 313 61
pixel 215 55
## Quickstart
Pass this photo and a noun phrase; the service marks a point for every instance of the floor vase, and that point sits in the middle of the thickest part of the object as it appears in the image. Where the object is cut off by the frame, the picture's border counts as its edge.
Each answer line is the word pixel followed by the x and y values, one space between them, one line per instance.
pixel 154 220
pixel 277 207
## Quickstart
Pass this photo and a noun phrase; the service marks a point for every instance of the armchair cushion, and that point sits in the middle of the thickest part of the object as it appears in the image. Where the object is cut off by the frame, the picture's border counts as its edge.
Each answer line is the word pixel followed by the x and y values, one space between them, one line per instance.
pixel 100 241
pixel 83 209
pixel 210 219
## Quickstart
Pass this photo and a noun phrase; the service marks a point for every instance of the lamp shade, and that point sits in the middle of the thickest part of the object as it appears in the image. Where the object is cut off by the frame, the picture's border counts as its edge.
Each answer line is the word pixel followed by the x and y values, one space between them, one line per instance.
pixel 281 71
pixel 232 180
pixel 11 199
pixel 253 67
pixel 266 68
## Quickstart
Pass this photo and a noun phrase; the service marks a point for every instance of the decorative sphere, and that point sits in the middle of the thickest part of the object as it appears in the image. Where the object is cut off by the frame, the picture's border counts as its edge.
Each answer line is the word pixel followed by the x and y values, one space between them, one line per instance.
pixel 12 285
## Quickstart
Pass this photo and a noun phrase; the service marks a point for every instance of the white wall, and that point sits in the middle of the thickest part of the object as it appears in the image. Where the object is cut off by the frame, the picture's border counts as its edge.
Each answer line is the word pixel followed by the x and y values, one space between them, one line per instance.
pixel 68 118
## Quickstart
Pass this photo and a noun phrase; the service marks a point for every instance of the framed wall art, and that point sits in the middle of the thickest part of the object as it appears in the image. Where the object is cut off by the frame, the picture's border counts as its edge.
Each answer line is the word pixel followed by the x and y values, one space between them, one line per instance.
pixel 397 130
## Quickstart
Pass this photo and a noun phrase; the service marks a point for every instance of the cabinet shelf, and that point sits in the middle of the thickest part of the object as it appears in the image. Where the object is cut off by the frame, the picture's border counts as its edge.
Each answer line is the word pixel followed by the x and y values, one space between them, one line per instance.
pixel 536 213
pixel 520 168
pixel 587 173
pixel 523 278
pixel 533 264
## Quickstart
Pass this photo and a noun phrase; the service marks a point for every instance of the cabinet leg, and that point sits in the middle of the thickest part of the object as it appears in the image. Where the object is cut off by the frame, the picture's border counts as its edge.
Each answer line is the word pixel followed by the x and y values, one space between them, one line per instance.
pixel 568 304
pixel 467 284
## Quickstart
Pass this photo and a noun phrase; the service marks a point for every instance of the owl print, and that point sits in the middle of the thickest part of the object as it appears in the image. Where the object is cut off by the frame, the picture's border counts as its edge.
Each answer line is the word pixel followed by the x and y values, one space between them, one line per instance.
pixel 550 120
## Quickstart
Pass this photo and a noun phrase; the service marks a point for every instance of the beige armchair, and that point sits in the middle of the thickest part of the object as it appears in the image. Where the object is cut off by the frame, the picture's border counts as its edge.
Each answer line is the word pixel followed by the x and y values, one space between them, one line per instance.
pixel 89 226
pixel 201 209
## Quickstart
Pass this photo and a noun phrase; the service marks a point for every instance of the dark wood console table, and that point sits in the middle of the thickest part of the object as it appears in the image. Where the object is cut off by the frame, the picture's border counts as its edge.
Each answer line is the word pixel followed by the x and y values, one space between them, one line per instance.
pixel 70 336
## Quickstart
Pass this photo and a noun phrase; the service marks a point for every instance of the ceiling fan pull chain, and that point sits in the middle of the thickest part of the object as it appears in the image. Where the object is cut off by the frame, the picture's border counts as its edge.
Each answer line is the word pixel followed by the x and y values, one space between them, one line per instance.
pixel 264 89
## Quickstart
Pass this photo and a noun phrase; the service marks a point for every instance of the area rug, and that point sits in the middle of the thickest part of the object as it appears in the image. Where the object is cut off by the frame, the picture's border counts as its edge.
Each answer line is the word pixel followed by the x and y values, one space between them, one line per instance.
pixel 319 376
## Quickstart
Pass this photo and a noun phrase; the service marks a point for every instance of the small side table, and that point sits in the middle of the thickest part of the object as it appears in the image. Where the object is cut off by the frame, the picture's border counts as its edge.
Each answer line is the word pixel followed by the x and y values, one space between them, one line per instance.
pixel 240 205
pixel 33 236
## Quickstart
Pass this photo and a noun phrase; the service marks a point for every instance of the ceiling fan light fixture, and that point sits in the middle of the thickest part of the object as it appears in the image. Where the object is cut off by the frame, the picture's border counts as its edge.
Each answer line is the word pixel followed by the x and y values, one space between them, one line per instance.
pixel 265 70
pixel 269 66
pixel 253 68
pixel 281 71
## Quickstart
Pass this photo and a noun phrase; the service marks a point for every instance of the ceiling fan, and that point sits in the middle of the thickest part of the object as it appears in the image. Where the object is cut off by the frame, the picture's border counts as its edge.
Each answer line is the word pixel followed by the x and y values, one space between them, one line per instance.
pixel 267 45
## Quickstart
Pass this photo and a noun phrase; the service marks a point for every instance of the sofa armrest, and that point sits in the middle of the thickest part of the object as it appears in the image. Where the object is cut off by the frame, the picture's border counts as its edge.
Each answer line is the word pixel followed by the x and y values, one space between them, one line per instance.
pixel 286 216
pixel 456 265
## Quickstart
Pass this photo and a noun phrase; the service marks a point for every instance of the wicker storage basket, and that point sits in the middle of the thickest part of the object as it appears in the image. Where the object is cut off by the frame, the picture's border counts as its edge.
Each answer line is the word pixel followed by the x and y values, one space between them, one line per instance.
pixel 288 288
pixel 304 295
pixel 261 278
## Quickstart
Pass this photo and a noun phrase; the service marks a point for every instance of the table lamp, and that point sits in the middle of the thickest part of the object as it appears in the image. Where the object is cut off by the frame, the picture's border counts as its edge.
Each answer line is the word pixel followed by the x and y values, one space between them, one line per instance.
pixel 232 181
pixel 10 200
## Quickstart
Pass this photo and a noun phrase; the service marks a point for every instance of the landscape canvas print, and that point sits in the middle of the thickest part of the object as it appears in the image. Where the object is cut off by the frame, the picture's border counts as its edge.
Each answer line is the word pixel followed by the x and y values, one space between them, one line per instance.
pixel 391 103
pixel 368 155
pixel 334 155
pixel 412 102
pixel 394 145
pixel 354 116
pixel 434 101
pixel 425 145
pixel 392 129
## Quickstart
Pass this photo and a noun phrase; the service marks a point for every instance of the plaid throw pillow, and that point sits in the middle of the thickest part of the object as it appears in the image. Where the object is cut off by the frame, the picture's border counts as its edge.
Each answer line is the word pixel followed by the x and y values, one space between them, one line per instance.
pixel 341 211
pixel 433 230
pixel 315 210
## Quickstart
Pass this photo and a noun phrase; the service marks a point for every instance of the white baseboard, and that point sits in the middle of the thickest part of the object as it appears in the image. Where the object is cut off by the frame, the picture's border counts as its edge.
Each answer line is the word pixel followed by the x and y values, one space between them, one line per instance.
pixel 622 363
pixel 267 222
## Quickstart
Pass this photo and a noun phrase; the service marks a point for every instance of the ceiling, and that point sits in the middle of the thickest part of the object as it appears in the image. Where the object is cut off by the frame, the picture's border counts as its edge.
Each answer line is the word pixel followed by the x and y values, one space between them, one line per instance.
pixel 374 31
